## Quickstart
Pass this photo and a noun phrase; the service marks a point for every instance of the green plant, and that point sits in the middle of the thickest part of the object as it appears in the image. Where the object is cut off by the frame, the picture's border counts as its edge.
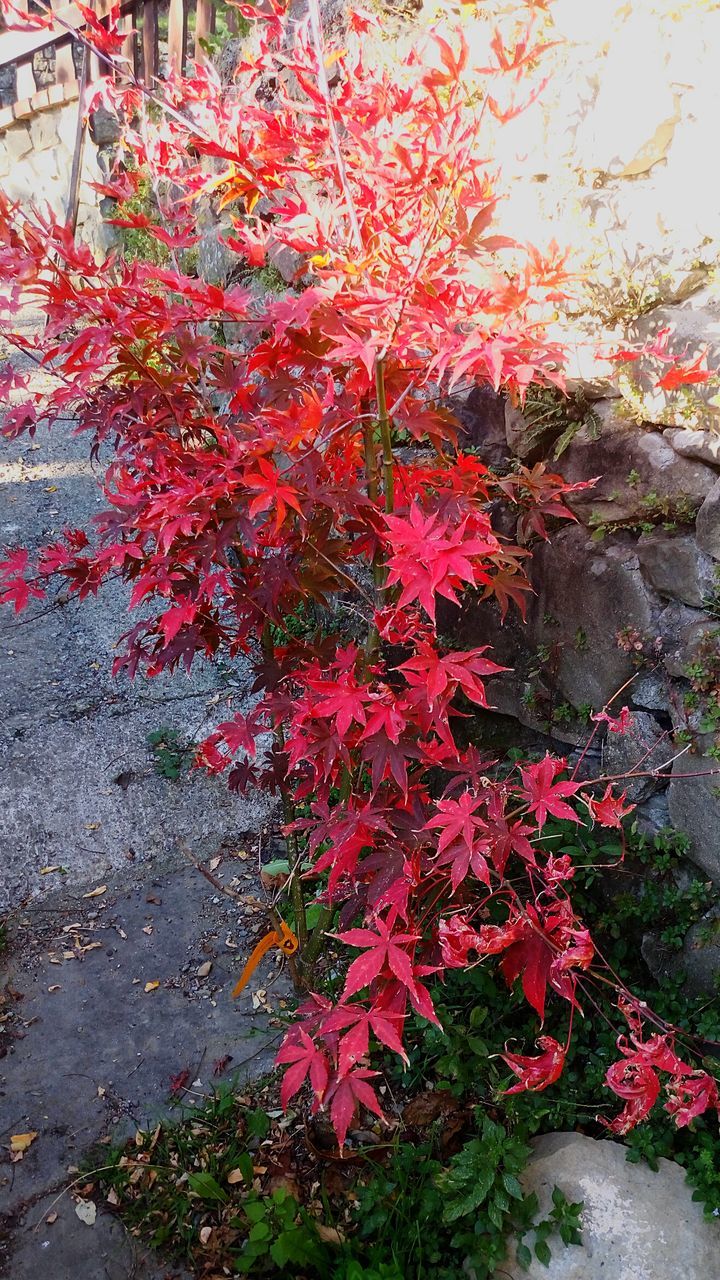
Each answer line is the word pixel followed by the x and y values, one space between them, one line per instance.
pixel 563 1220
pixel 668 512
pixel 550 414
pixel 200 1190
pixel 435 1220
pixel 171 755
pixel 138 242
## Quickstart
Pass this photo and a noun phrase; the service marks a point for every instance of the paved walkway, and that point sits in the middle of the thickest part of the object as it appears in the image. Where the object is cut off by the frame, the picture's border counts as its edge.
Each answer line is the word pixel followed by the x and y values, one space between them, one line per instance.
pixel 85 1049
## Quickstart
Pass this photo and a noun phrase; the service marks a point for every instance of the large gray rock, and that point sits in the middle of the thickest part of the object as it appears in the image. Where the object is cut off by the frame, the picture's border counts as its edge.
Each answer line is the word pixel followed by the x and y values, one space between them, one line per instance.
pixel 636 1224
pixel 643 747
pixel 481 414
pixel 703 446
pixel 640 477
pixel 695 809
pixel 682 634
pixel 676 567
pixel 707 525
pixel 694 329
pixel 586 594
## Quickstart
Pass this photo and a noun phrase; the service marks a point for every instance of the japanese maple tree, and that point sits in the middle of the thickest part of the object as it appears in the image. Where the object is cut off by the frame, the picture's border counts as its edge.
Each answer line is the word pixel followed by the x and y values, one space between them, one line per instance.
pixel 274 457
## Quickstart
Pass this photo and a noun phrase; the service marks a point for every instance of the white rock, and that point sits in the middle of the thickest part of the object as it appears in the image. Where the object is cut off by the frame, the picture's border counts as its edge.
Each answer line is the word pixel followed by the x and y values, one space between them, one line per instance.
pixel 703 445
pixel 636 1224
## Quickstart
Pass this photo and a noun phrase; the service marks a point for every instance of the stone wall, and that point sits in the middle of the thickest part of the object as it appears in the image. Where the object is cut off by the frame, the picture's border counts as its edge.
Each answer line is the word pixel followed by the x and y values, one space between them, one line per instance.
pixel 36 155
pixel 625 604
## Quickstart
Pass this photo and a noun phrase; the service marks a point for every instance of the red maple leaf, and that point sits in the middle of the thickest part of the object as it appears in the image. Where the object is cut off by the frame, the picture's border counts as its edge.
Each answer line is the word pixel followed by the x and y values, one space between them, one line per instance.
pixel 429 557
pixel 457 939
pixel 459 843
pixel 690 1095
pixel 536 1073
pixel 608 810
pixel 681 375
pixel 354 1045
pixel 435 674
pixel 639 1085
pixel 381 950
pixel 543 794
pixel 350 1091
pixel 305 1059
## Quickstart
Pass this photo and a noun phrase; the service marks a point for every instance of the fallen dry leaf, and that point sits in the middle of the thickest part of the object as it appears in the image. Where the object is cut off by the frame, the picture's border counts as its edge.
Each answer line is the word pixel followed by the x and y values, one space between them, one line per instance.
pixel 46 871
pixel 112 1196
pixel 214 864
pixel 235 1175
pixel 52 1217
pixel 151 986
pixel 96 893
pixel 205 1234
pixel 86 1212
pixel 55 987
pixel 330 1235
pixel 19 1142
pixel 147 929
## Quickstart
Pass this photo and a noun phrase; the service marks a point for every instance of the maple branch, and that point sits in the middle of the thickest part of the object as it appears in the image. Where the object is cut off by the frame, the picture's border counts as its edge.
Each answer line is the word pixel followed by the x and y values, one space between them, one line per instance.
pixel 296 893
pixel 385 436
pixel 318 42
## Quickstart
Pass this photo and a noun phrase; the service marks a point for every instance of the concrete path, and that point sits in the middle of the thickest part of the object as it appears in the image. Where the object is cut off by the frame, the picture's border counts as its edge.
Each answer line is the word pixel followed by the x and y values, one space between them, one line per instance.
pixel 85 1050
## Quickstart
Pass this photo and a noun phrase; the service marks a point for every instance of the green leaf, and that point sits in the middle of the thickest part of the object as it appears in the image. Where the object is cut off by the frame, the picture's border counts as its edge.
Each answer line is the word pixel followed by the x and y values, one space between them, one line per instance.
pixel 471 1201
pixel 278 867
pixel 524 1256
pixel 258 1124
pixel 260 1231
pixel 512 1186
pixel 542 1252
pixel 254 1210
pixel 205 1186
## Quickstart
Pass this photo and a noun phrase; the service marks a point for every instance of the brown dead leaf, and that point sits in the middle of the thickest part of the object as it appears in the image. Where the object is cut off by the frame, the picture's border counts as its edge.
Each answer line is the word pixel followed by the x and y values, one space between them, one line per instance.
pixel 426 1107
pixel 47 871
pixel 55 987
pixel 234 1176
pixel 52 1217
pixel 151 986
pixel 96 893
pixel 19 1143
pixel 205 1234
pixel 329 1235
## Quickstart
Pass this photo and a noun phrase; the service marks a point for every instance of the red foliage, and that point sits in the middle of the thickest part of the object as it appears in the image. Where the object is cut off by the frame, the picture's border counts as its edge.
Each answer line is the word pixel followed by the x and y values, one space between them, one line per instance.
pixel 246 481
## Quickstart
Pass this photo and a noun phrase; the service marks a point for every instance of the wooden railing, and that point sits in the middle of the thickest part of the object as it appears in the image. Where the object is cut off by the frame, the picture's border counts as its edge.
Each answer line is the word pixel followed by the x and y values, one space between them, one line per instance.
pixel 142 19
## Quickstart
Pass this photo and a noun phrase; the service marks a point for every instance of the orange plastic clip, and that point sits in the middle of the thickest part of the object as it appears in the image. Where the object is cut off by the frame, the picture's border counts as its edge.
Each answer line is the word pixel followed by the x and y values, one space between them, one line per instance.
pixel 285 940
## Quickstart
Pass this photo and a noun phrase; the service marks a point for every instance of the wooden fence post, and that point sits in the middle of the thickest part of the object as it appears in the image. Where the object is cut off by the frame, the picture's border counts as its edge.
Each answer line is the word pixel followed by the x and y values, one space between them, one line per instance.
pixel 128 48
pixel 150 41
pixel 177 35
pixel 203 26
